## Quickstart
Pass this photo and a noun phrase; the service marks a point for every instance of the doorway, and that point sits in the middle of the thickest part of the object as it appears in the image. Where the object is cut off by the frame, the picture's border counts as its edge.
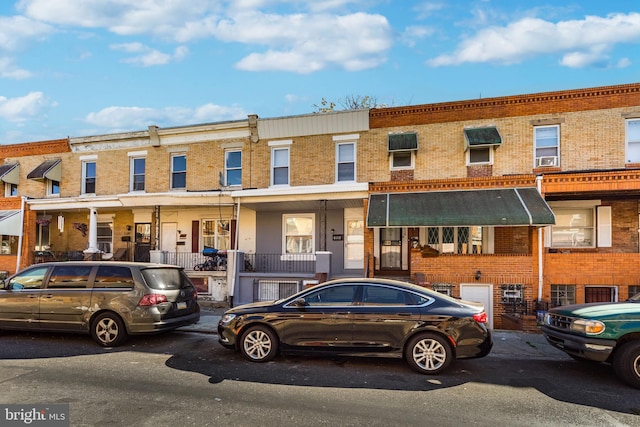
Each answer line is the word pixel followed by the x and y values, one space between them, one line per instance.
pixel 169 237
pixel 354 238
pixel 482 293
pixel 142 248
pixel 390 249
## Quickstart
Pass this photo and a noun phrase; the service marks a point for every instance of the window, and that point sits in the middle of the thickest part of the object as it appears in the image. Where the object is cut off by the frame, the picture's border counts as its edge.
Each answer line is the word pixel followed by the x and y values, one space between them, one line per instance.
pixel 547 145
pixel 69 276
pixel 9 245
pixel 634 290
pixel 215 234
pixel 298 234
pixel 383 296
pixel 178 171
pixel 233 168
pixel 10 190
pixel 29 279
pixel 633 140
pixel 114 277
pixel 53 187
pixel 346 162
pixel 42 233
pixel 458 240
pixel 105 236
pixel 402 147
pixel 280 166
pixel 481 155
pixel 334 296
pixel 574 228
pixel 137 168
pixel 563 295
pixel 402 160
pixel 88 177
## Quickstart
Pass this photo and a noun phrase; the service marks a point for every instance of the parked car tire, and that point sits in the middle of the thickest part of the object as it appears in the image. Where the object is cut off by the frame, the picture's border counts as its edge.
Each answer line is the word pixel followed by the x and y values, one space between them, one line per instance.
pixel 108 330
pixel 259 344
pixel 428 353
pixel 626 363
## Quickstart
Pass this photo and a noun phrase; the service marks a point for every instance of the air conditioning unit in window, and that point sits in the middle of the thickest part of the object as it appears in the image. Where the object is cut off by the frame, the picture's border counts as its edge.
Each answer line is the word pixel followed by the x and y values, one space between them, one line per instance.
pixel 547 161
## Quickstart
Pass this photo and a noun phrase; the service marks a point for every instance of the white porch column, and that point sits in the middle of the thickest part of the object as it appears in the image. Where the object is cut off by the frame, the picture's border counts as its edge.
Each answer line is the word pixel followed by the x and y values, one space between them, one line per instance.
pixel 93 231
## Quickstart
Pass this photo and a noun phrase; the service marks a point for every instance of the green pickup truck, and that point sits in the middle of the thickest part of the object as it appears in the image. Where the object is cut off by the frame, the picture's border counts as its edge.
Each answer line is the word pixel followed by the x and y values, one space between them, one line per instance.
pixel 599 332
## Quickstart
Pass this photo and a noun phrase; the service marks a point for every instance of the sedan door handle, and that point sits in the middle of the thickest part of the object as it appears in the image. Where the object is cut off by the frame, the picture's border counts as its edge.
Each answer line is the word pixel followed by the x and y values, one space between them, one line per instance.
pixel 48 296
pixel 32 296
pixel 404 314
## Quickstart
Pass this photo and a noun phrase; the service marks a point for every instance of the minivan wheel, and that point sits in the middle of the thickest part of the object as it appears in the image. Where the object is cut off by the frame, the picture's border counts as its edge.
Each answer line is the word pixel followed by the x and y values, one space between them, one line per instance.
pixel 259 344
pixel 626 363
pixel 108 330
pixel 428 353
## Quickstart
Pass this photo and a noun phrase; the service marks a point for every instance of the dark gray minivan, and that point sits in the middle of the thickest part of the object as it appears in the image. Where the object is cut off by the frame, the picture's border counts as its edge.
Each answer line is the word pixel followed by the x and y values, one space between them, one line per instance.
pixel 107 299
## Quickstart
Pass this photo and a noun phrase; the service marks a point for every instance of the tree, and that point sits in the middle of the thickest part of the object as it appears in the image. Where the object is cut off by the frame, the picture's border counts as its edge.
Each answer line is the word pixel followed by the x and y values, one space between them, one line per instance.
pixel 349 102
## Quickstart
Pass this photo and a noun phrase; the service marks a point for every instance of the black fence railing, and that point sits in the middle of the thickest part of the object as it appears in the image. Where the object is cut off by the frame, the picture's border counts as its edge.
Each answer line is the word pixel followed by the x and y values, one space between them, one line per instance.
pixel 48 256
pixel 279 263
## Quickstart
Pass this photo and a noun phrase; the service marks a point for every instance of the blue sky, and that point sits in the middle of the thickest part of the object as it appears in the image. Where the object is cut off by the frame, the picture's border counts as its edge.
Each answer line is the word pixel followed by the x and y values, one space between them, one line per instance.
pixel 90 67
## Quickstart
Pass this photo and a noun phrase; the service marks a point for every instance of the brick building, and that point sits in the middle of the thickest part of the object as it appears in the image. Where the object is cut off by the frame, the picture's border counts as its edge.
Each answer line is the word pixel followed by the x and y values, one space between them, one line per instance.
pixel 579 148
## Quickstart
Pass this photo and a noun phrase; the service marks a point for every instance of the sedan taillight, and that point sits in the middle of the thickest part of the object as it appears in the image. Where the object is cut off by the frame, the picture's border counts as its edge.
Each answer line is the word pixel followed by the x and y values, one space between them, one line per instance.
pixel 152 299
pixel 480 317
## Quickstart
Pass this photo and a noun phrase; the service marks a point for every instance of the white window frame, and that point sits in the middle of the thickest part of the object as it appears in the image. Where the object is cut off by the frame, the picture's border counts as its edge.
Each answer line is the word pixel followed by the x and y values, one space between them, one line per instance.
pixel 632 143
pixel 8 189
pixel 50 187
pixel 228 169
pixel 489 162
pixel 392 155
pixel 172 184
pixel 280 148
pixel 285 235
pixel 221 238
pixel 132 174
pixel 339 161
pixel 575 236
pixel 546 151
pixel 105 242
pixel 85 164
pixel 485 246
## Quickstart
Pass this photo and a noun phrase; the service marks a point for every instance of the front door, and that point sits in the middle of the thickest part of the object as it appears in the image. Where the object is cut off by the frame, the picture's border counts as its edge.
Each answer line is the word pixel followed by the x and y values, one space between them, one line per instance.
pixel 390 248
pixel 354 238
pixel 482 293
pixel 142 243
pixel 169 237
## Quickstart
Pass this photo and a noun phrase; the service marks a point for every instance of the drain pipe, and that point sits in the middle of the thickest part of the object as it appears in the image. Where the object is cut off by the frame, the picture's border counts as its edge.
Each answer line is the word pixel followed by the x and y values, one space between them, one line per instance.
pixel 540 245
pixel 20 235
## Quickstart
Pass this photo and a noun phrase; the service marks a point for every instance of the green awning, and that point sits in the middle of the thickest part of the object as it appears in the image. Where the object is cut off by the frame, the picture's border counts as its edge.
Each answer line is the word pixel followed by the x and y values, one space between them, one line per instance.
pixel 499 207
pixel 482 137
pixel 403 142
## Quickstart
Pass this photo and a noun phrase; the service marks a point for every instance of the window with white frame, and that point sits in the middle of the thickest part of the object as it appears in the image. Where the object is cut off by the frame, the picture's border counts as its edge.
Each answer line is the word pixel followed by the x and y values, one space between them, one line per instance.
pixel 633 140
pixel 402 160
pixel 233 168
pixel 547 146
pixel 178 171
pixel 88 177
pixel 299 234
pixel 105 236
pixel 574 227
pixel 137 168
pixel 480 156
pixel 42 233
pixel 346 162
pixel 402 148
pixel 459 240
pixel 563 295
pixel 216 234
pixel 280 166
pixel 53 187
pixel 10 190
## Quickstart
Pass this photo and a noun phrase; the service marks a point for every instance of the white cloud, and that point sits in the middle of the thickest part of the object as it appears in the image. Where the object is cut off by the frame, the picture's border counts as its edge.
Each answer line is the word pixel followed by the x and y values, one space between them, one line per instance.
pixel 17 31
pixel 580 42
pixel 24 108
pixel 413 33
pixel 149 57
pixel 126 118
pixel 9 70
pixel 426 9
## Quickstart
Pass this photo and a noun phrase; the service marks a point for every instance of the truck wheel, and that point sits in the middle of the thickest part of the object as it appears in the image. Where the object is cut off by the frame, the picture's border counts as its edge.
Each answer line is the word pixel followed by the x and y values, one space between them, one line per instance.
pixel 626 363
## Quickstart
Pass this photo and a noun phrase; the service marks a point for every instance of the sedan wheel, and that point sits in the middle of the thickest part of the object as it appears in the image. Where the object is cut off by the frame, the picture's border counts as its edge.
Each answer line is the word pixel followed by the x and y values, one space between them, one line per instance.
pixel 259 344
pixel 108 330
pixel 428 354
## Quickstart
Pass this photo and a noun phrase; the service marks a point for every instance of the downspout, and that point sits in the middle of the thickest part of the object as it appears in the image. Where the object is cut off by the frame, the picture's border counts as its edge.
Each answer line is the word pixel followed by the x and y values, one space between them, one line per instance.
pixel 20 235
pixel 540 245
pixel 236 269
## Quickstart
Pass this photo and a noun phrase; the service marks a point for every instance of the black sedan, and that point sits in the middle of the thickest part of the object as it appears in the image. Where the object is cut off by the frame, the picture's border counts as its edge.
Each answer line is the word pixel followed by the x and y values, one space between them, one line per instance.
pixel 368 317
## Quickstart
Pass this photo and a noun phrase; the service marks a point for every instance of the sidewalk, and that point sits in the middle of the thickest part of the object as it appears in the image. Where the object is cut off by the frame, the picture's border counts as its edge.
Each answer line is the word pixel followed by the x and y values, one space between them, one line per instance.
pixel 505 343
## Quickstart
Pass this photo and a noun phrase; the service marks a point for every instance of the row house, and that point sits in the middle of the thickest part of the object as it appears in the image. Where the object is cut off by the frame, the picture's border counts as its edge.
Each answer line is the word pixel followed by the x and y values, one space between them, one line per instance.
pixel 18 163
pixel 518 202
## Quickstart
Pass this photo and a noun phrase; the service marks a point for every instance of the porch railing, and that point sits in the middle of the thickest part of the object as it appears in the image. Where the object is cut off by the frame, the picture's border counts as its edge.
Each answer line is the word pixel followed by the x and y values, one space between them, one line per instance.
pixel 259 263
